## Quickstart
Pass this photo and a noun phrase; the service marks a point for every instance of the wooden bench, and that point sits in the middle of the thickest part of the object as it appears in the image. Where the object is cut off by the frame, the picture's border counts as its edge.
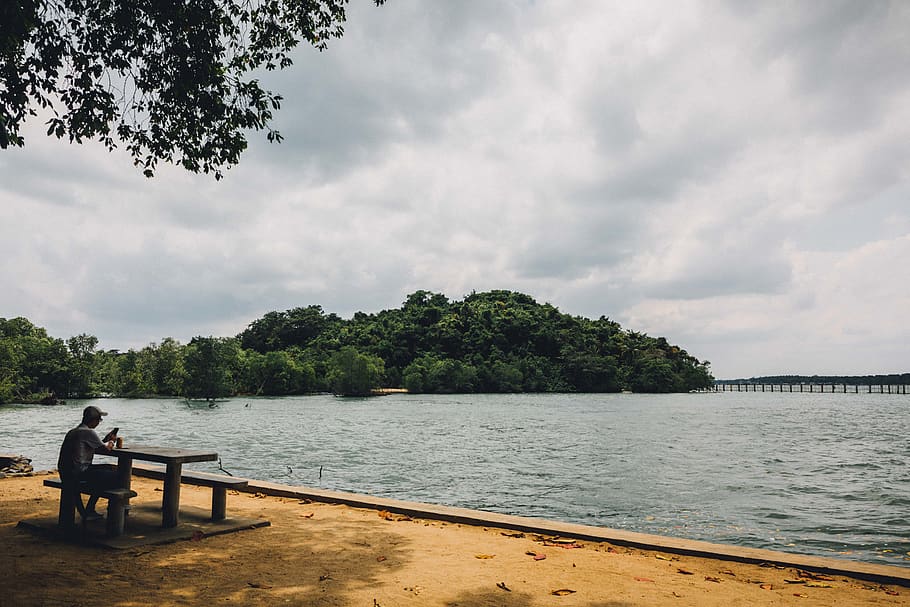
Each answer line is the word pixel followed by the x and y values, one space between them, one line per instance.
pixel 118 501
pixel 218 482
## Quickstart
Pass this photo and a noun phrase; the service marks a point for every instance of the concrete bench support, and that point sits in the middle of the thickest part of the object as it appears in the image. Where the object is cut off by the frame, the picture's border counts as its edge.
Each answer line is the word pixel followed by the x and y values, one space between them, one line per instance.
pixel 117 505
pixel 118 501
pixel 219 484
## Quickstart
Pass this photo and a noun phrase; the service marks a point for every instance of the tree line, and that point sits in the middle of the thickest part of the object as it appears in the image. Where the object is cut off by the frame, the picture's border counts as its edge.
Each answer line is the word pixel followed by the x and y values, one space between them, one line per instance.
pixel 890 379
pixel 496 341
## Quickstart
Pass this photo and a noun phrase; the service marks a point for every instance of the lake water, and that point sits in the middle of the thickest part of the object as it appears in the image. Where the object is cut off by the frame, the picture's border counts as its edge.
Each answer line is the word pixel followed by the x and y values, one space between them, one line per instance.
pixel 825 474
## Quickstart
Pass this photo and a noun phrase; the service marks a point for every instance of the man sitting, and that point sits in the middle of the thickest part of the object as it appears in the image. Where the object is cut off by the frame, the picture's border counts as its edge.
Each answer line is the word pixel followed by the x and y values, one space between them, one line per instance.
pixel 75 461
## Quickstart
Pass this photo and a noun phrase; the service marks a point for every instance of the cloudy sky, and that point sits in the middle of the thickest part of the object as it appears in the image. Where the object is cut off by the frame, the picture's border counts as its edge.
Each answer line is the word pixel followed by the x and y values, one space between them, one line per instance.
pixel 730 175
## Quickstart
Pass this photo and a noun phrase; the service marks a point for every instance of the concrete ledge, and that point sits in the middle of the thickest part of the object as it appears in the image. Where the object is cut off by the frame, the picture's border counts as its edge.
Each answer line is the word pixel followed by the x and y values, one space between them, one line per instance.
pixel 883 574
pixel 143 528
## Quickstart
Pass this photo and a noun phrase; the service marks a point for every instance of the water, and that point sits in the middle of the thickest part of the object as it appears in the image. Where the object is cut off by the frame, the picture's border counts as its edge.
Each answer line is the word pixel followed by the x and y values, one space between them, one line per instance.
pixel 825 474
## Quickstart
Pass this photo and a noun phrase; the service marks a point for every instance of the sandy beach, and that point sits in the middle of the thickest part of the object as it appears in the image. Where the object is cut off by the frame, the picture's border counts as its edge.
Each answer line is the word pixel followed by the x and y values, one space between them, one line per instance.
pixel 317 553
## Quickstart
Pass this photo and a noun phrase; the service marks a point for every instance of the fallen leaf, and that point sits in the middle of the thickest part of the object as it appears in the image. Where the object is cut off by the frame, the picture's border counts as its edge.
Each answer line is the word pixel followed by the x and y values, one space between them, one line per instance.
pixel 727 572
pixel 891 592
pixel 643 579
pixel 766 587
pixel 802 596
pixel 662 557
pixel 814 576
pixel 386 515
pixel 379 559
pixel 404 517
pixel 684 572
pixel 503 586
pixel 259 585
pixel 818 585
pixel 517 534
pixel 795 581
pixel 711 578
pixel 310 515
pixel 197 535
pixel 537 555
pixel 677 595
pixel 484 556
pixel 562 592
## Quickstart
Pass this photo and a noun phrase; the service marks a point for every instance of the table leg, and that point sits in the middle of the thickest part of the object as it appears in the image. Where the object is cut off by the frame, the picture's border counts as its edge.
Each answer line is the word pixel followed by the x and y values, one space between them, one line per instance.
pixel 171 500
pixel 124 472
pixel 124 479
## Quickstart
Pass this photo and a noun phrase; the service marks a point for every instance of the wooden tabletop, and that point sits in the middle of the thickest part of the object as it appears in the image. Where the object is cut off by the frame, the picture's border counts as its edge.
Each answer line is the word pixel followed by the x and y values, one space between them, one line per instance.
pixel 164 455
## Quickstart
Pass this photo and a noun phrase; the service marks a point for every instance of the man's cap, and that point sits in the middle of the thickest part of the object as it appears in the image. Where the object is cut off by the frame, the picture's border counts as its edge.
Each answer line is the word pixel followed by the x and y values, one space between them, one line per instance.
pixel 92 412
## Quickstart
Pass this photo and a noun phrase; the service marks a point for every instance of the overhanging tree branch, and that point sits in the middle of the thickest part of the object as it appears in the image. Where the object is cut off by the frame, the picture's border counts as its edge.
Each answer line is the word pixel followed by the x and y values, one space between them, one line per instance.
pixel 171 80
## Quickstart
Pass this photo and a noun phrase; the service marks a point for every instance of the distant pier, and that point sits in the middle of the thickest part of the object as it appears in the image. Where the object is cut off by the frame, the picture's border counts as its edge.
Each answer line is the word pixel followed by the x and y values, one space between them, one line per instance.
pixel 811 387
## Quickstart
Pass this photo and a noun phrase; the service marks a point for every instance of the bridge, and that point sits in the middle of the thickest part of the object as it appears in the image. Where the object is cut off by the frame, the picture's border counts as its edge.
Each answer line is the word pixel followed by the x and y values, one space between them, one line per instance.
pixel 843 388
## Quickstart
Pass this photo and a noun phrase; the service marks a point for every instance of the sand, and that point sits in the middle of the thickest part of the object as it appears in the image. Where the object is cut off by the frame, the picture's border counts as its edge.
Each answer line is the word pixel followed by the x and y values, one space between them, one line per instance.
pixel 326 554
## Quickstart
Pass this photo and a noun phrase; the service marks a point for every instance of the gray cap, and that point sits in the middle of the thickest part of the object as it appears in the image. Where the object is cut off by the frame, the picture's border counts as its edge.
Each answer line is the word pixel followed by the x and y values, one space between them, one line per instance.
pixel 92 412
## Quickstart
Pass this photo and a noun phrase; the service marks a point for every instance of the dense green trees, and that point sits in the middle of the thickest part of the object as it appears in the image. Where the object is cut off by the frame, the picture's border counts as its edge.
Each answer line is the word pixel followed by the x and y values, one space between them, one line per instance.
pixel 277 373
pixel 32 365
pixel 211 366
pixel 497 341
pixel 354 374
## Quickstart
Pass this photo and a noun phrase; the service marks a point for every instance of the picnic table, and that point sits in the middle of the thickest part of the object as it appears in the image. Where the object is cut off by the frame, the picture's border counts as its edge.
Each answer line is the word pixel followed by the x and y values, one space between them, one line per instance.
pixel 173 459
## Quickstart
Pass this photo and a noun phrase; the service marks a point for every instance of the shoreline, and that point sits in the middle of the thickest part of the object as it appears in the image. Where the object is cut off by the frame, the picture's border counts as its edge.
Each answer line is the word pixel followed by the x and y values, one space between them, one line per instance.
pixel 885 574
pixel 320 551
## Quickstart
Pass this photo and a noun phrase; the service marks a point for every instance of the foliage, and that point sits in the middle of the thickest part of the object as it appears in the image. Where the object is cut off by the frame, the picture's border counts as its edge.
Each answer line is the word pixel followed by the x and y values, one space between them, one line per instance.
pixel 276 373
pixel 32 364
pixel 298 327
pixel 433 374
pixel 82 363
pixel 497 341
pixel 173 81
pixel 210 366
pixel 354 374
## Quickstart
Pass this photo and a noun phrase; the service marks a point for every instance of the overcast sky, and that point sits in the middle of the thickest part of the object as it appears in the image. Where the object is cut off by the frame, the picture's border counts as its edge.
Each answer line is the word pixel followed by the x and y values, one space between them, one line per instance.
pixel 730 175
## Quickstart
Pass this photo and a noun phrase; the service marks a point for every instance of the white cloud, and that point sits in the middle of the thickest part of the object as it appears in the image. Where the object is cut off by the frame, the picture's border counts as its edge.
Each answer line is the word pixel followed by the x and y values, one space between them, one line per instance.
pixel 732 176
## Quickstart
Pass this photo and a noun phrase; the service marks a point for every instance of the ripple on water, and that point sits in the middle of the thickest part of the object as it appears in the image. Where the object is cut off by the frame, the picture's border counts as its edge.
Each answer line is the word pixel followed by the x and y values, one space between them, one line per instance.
pixel 803 473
